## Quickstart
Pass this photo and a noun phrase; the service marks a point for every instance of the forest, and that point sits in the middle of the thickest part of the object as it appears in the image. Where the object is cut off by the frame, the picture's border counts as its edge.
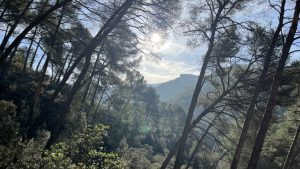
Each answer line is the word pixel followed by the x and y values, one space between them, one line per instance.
pixel 75 94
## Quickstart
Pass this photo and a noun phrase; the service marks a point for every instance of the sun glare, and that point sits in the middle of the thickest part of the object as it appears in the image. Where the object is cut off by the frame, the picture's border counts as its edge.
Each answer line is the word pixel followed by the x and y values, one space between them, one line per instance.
pixel 155 38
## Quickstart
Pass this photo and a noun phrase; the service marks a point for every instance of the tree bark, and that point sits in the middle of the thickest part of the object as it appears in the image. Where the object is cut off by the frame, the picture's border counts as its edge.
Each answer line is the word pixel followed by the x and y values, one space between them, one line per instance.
pixel 29 50
pixel 12 55
pixel 257 90
pixel 34 54
pixel 200 141
pixel 13 27
pixel 85 94
pixel 109 25
pixel 115 19
pixel 63 67
pixel 34 23
pixel 38 65
pixel 36 98
pixel 260 137
pixel 100 99
pixel 202 114
pixel 95 91
pixel 180 152
pixel 291 149
pixel 55 132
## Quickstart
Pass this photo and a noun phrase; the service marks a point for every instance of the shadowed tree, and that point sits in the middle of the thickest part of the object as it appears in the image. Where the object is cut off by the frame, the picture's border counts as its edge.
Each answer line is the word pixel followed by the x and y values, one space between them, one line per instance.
pixel 260 137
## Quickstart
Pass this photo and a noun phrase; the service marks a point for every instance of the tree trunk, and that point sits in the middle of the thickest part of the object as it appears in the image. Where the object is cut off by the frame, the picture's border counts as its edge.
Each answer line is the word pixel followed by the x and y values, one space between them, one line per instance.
pixel 87 52
pixel 13 27
pixel 214 166
pixel 95 92
pixel 52 74
pixel 29 50
pixel 85 94
pixel 63 67
pixel 257 90
pixel 255 154
pixel 34 23
pixel 100 99
pixel 12 55
pixel 180 152
pixel 55 132
pixel 109 25
pixel 6 30
pixel 36 99
pixel 170 154
pixel 34 54
pixel 38 65
pixel 69 64
pixel 202 114
pixel 200 142
pixel 291 149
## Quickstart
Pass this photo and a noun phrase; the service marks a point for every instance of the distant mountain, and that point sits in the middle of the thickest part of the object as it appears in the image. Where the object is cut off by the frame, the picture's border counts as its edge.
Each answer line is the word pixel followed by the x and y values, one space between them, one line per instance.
pixel 170 89
pixel 180 90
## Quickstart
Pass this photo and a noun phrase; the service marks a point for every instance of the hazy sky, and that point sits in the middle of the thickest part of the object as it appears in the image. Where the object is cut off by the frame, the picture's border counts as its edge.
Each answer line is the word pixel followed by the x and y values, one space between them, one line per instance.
pixel 176 58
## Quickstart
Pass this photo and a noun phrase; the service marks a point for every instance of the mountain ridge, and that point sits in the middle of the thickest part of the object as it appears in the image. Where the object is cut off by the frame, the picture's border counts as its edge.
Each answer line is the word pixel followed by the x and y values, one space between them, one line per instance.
pixel 180 90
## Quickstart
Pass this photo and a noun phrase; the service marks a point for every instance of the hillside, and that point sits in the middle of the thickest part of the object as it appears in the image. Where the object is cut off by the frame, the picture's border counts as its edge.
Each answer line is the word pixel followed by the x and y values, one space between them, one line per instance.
pixel 180 90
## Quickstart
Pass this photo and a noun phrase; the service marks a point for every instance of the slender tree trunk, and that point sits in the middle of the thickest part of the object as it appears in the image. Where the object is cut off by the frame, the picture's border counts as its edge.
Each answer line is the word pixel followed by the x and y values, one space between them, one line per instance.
pixel 6 30
pixel 36 99
pixel 95 92
pixel 38 65
pixel 260 137
pixel 55 132
pixel 52 74
pixel 100 99
pixel 34 23
pixel 63 66
pixel 257 90
pixel 202 114
pixel 38 91
pixel 29 50
pixel 12 55
pixel 291 149
pixel 85 94
pixel 180 152
pixel 217 162
pixel 112 22
pixel 70 63
pixel 200 142
pixel 13 27
pixel 34 54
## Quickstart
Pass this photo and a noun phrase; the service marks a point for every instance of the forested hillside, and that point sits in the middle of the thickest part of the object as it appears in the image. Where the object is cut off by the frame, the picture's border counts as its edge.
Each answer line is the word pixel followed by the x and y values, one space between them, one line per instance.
pixel 74 91
pixel 180 90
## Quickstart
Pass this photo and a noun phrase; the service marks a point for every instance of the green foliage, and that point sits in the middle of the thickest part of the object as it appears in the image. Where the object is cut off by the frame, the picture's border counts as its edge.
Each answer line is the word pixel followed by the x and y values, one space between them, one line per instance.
pixel 8 125
pixel 84 150
pixel 140 157
pixel 281 136
pixel 13 153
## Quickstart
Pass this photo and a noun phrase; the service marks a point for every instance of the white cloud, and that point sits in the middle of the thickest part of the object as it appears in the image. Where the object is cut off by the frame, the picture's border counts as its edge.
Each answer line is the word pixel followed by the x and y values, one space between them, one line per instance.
pixel 176 58
pixel 163 70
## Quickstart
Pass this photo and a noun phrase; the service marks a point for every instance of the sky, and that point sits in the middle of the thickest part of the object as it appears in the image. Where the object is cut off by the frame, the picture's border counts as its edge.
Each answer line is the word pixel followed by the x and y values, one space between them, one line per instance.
pixel 177 58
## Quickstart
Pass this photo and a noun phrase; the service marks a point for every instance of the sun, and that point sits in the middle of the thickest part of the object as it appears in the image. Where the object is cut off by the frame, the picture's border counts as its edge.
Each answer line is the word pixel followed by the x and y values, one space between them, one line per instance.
pixel 156 38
